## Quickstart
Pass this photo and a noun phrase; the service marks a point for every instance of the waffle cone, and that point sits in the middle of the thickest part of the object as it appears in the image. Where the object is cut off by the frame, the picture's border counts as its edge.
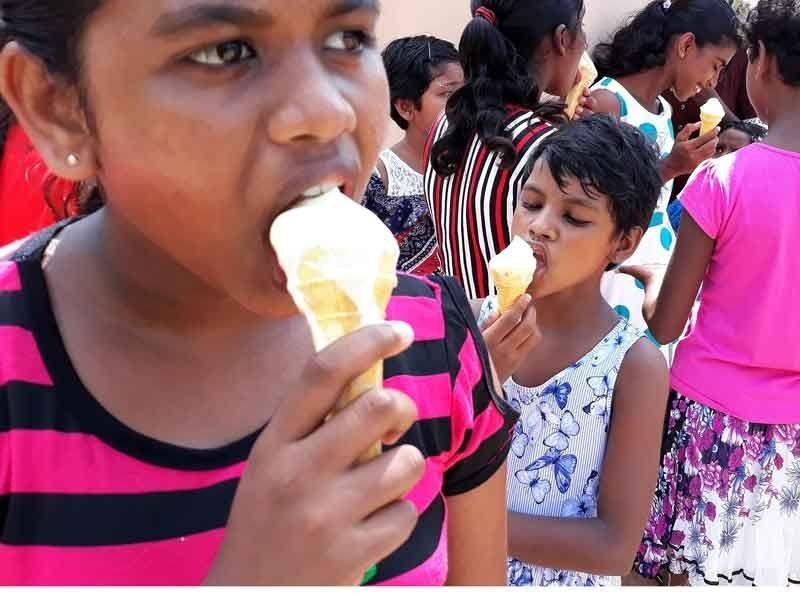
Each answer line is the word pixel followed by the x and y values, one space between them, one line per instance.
pixel 588 74
pixel 708 123
pixel 508 292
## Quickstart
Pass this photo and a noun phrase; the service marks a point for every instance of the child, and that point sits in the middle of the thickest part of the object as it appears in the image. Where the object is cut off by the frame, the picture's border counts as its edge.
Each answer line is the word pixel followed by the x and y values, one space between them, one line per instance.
pixel 735 135
pixel 727 506
pixel 423 73
pixel 683 46
pixel 162 411
pixel 593 391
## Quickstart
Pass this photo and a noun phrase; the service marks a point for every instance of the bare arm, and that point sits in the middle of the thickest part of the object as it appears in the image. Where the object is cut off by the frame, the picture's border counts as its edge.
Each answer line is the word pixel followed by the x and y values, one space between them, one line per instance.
pixel 606 102
pixel 607 544
pixel 476 536
pixel 667 307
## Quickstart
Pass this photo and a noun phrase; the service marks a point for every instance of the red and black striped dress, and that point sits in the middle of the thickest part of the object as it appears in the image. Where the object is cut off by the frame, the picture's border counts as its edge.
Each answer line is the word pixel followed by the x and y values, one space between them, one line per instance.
pixel 472 209
pixel 85 500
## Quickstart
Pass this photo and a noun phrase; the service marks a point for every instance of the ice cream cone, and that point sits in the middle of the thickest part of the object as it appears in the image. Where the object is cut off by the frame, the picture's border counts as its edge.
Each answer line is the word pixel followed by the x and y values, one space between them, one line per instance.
pixel 711 115
pixel 588 75
pixel 512 272
pixel 340 263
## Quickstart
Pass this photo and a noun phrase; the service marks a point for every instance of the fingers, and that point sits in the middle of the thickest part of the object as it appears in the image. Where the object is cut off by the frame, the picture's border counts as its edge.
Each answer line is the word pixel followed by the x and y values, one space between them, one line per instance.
pixel 328 372
pixel 709 148
pixel 489 321
pixel 380 415
pixel 508 321
pixel 687 132
pixel 378 483
pixel 386 530
pixel 526 333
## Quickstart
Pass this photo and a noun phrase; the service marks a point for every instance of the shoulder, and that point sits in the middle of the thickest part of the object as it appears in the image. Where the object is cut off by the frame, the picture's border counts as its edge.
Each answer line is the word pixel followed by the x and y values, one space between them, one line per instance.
pixel 643 376
pixel 608 102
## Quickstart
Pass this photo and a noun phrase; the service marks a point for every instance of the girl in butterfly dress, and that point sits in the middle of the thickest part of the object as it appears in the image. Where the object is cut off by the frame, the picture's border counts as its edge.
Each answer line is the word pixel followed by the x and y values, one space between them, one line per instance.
pixel 592 393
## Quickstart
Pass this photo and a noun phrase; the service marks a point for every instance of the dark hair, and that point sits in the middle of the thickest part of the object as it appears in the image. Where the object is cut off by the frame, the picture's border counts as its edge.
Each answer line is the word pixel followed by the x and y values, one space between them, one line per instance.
pixel 776 23
pixel 50 30
pixel 496 58
pixel 642 43
pixel 411 64
pixel 755 131
pixel 608 158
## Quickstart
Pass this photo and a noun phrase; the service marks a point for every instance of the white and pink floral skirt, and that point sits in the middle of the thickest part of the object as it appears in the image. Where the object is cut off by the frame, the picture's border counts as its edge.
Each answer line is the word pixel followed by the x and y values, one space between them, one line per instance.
pixel 727 506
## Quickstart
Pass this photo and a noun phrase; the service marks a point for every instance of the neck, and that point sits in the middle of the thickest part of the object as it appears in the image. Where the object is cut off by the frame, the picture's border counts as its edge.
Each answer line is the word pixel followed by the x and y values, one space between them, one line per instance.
pixel 784 121
pixel 411 148
pixel 130 278
pixel 647 86
pixel 579 308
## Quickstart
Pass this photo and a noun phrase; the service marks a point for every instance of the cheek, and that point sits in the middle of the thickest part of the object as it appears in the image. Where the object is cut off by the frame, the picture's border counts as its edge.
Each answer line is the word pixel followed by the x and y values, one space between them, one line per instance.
pixel 369 96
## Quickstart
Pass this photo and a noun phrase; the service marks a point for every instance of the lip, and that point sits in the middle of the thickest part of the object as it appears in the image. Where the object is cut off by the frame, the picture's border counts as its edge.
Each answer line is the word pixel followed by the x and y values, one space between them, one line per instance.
pixel 335 172
pixel 540 252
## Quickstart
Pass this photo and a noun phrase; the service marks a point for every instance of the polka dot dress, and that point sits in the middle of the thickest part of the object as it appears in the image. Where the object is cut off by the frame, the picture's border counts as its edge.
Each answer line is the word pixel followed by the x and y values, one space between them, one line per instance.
pixel 623 292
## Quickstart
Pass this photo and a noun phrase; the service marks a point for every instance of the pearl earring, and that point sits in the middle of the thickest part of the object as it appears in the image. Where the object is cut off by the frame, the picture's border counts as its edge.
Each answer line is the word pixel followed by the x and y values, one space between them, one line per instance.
pixel 72 159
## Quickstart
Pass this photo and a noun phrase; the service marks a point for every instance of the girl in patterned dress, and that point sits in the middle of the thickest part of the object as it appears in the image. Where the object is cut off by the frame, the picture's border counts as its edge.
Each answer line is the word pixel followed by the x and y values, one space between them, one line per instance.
pixel 682 46
pixel 727 505
pixel 592 393
pixel 423 73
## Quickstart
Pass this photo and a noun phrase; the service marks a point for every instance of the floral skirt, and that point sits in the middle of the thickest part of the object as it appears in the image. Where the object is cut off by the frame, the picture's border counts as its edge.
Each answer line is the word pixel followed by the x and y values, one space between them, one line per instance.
pixel 727 505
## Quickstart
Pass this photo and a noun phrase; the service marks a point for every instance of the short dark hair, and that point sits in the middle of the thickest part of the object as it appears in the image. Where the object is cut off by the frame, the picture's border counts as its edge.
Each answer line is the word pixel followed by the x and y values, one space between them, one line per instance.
pixel 754 130
pixel 410 63
pixel 609 158
pixel 777 24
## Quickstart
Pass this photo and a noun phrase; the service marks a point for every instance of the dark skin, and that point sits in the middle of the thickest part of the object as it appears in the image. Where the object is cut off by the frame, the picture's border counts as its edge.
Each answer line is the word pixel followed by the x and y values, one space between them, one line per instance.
pixel 689 70
pixel 176 276
pixel 574 238
pixel 670 295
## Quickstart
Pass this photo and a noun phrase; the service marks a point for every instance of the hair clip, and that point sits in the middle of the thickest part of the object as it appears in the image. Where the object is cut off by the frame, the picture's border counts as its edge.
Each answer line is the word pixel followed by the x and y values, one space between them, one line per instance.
pixel 666 5
pixel 430 54
pixel 487 14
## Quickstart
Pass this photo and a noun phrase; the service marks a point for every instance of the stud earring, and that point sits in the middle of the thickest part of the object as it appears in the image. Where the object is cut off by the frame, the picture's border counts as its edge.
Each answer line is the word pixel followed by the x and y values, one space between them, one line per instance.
pixel 72 159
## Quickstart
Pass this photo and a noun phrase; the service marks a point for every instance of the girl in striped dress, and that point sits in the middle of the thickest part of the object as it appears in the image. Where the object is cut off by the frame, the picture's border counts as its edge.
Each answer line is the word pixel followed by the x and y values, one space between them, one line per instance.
pixel 681 46
pixel 511 51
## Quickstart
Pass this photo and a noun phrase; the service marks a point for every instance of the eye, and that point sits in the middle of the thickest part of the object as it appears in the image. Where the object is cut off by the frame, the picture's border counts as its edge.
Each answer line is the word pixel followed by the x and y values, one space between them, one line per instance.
pixel 576 222
pixel 219 55
pixel 531 206
pixel 349 41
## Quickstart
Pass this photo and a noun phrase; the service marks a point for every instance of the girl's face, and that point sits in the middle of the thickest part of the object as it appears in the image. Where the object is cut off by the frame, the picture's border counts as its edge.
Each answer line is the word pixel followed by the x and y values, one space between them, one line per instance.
pixel 756 88
pixel 698 67
pixel 214 116
pixel 732 140
pixel 572 233
pixel 447 79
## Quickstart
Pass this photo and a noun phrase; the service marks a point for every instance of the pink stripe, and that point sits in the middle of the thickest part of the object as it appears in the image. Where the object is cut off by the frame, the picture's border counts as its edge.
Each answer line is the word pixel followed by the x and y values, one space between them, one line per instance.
pixel 431 392
pixel 423 314
pixel 184 561
pixel 19 357
pixel 432 572
pixel 77 463
pixel 463 417
pixel 428 488
pixel 9 277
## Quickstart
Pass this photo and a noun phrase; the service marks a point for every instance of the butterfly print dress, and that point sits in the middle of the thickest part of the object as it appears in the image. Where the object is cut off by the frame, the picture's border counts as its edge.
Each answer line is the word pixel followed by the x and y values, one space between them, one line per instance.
pixel 558 448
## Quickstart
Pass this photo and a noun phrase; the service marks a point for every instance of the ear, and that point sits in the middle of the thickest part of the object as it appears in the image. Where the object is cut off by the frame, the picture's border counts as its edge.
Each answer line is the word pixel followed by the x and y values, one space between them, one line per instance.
pixel 684 44
pixel 50 112
pixel 406 108
pixel 561 40
pixel 625 245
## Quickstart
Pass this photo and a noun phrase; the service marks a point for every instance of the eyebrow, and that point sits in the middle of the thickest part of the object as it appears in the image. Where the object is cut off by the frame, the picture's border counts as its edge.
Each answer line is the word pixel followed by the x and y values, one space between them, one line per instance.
pixel 580 200
pixel 198 16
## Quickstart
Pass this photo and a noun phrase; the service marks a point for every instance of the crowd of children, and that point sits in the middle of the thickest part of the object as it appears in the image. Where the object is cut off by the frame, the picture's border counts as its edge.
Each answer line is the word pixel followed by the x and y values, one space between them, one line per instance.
pixel 162 408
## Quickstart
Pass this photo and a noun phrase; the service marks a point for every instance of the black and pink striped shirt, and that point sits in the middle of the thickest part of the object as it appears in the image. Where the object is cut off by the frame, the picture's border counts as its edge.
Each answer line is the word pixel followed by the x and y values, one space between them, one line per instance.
pixel 85 500
pixel 473 208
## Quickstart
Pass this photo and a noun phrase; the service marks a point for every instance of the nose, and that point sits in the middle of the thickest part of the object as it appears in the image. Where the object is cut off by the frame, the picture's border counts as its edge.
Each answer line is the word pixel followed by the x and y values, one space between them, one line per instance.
pixel 543 225
pixel 313 108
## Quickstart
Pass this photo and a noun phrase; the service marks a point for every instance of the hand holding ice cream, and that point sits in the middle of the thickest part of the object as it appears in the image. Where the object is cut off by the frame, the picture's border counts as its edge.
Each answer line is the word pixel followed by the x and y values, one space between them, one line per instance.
pixel 340 262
